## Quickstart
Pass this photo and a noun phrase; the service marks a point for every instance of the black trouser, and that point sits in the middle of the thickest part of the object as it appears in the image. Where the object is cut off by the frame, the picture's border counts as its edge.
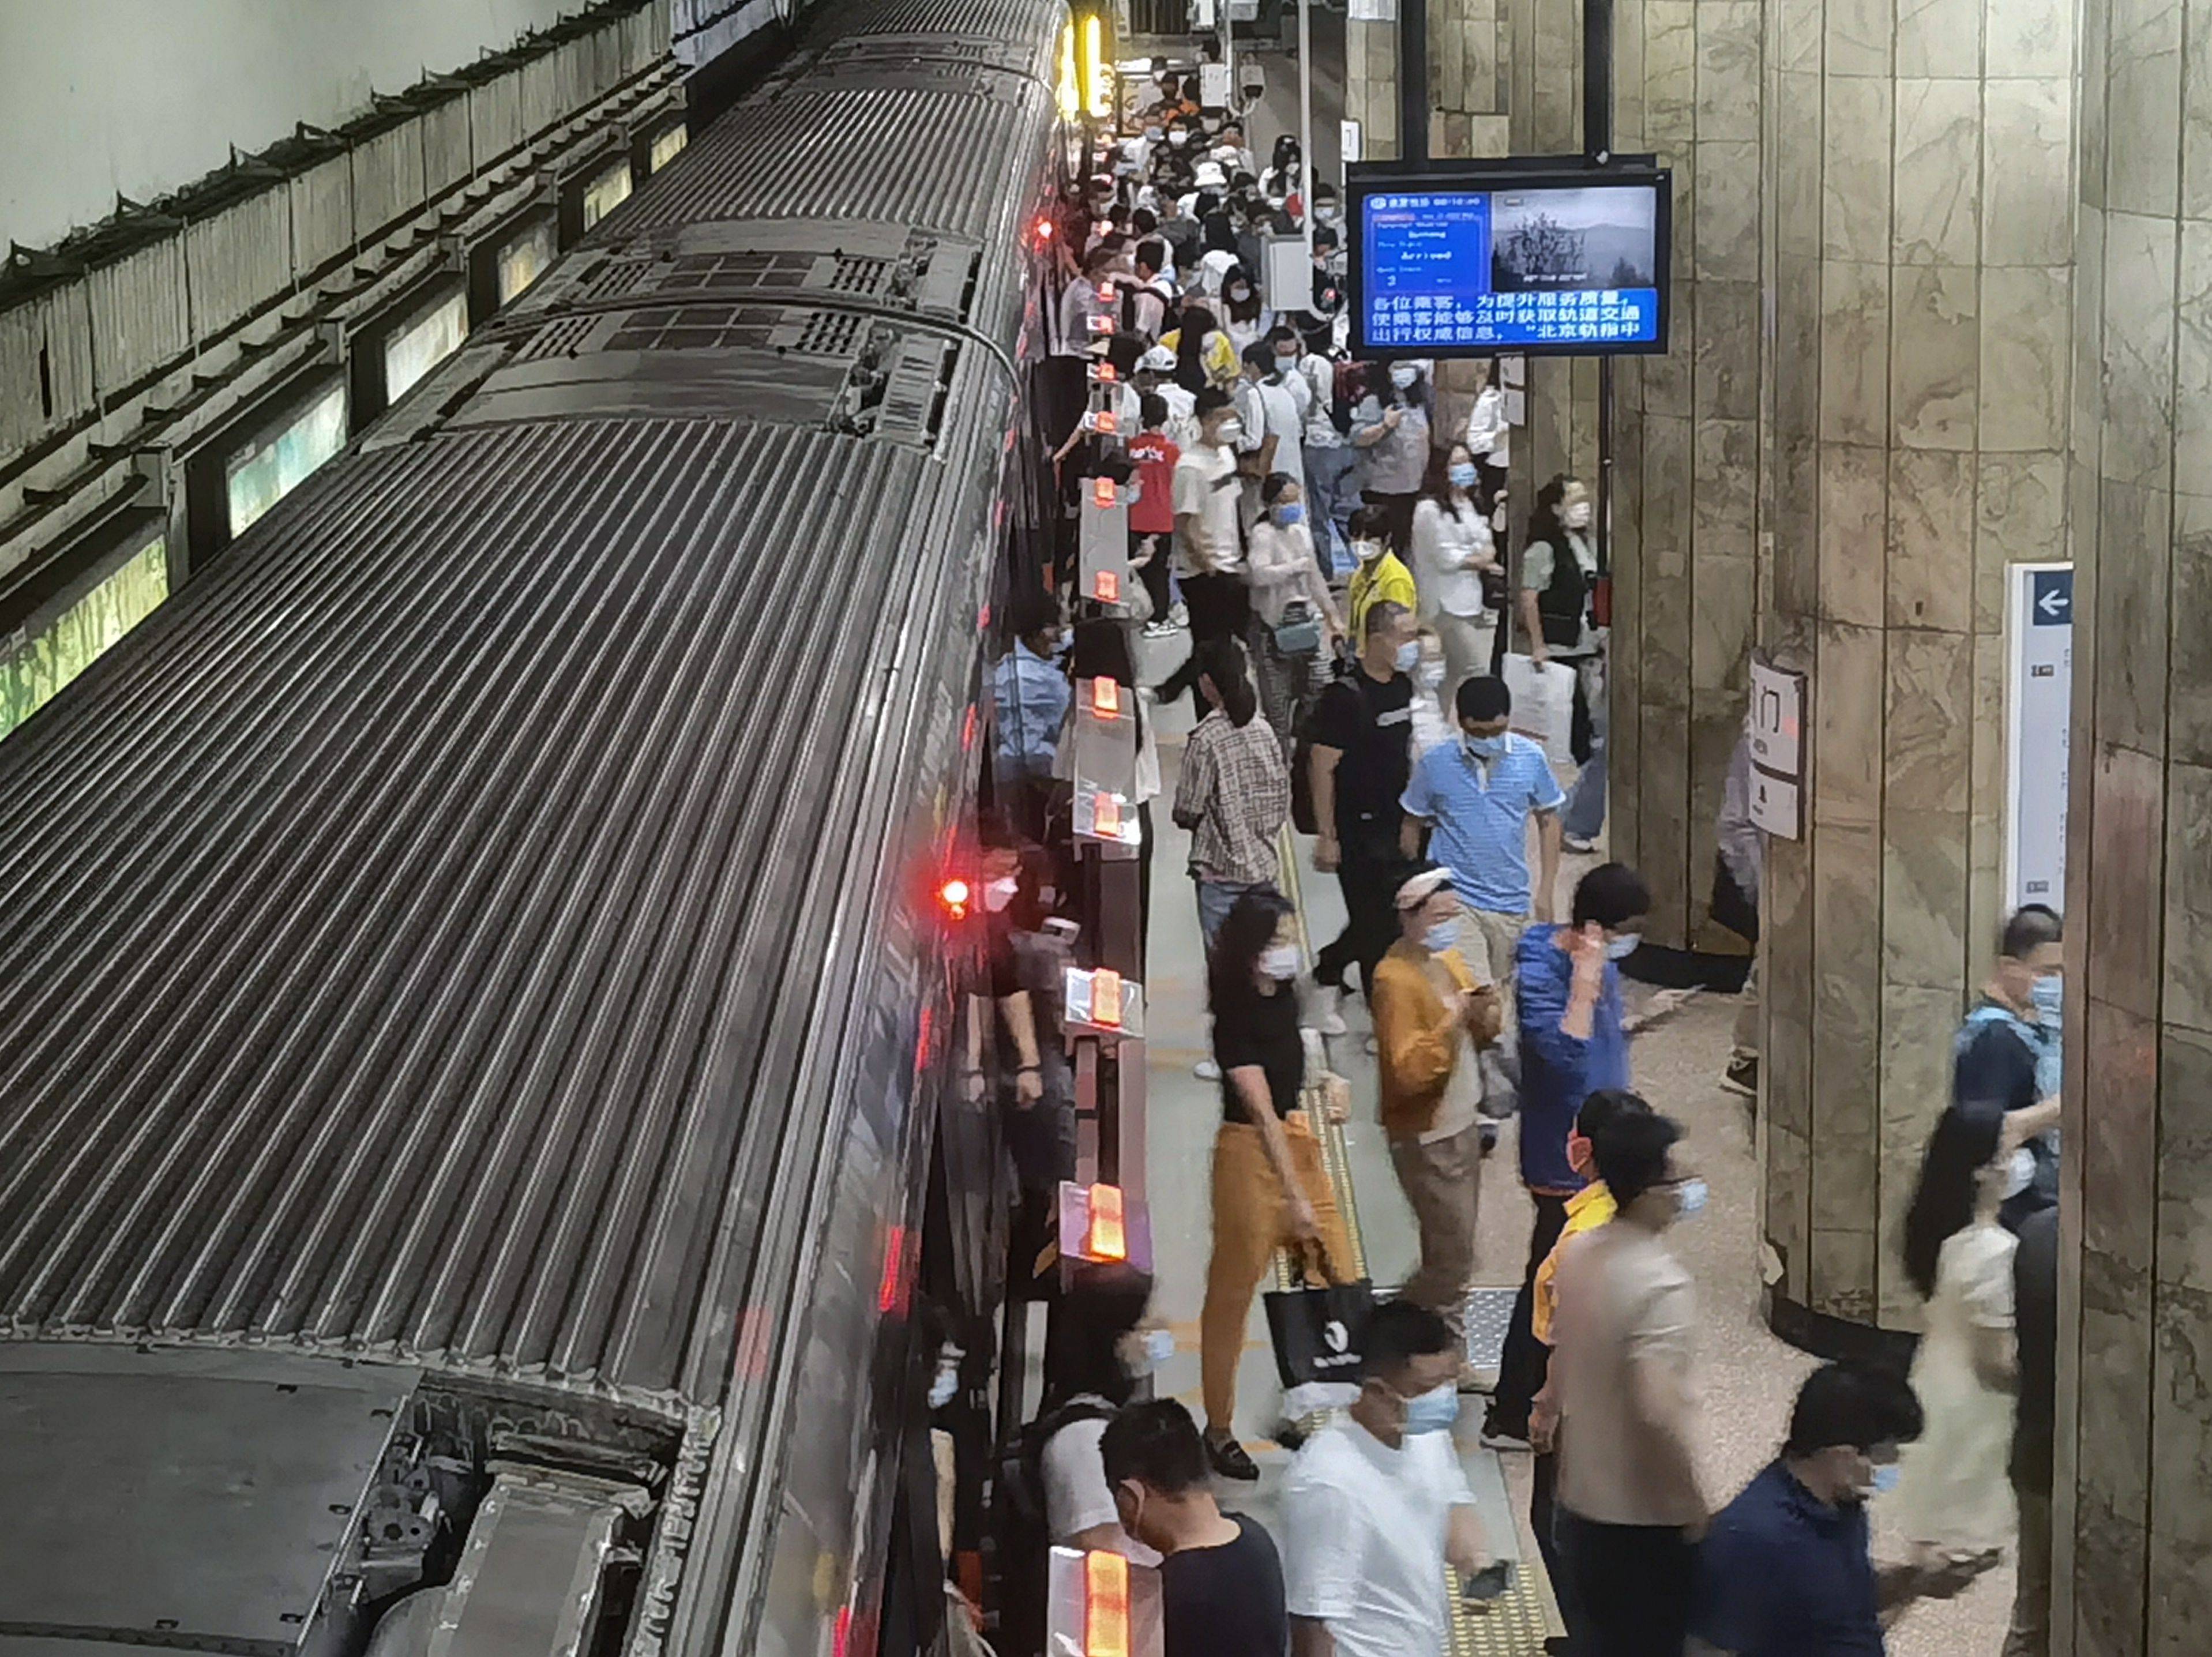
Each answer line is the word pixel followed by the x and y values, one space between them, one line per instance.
pixel 1154 575
pixel 1635 1584
pixel 1220 608
pixel 1489 480
pixel 1522 1366
pixel 1368 876
pixel 1543 1519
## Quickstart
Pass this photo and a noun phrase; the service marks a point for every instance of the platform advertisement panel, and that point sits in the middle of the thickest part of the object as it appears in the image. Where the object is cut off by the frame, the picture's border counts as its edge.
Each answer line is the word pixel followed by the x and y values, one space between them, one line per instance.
pixel 1476 260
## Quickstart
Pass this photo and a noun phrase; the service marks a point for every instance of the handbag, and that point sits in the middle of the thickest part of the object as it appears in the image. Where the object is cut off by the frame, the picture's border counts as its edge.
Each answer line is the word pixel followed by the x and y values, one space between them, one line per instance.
pixel 1298 634
pixel 1317 1331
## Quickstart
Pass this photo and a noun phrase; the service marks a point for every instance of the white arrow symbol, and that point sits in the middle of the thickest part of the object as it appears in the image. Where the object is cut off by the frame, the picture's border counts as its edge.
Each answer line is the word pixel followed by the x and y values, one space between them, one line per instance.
pixel 2052 602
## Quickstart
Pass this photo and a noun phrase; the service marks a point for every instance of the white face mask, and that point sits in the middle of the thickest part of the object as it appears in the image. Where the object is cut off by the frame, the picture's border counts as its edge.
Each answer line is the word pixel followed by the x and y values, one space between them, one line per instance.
pixel 1230 431
pixel 998 893
pixel 1403 378
pixel 1367 551
pixel 1578 516
pixel 1279 961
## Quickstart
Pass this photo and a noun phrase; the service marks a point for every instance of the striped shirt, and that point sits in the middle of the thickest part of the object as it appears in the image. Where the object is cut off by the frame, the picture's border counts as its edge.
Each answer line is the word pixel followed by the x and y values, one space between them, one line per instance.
pixel 1480 809
pixel 1234 796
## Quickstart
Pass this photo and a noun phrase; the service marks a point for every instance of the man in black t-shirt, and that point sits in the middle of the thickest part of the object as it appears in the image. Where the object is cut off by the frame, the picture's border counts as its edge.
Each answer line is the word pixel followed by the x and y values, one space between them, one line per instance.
pixel 1221 1580
pixel 1363 734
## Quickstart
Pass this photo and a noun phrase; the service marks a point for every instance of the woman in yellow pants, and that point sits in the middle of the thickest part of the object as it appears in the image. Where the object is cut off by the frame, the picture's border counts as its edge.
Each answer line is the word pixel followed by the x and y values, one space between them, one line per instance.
pixel 1270 1189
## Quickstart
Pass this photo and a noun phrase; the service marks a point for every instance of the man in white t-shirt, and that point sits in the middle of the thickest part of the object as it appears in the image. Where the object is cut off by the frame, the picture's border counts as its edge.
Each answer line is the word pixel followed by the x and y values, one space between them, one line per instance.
pixel 1376 1505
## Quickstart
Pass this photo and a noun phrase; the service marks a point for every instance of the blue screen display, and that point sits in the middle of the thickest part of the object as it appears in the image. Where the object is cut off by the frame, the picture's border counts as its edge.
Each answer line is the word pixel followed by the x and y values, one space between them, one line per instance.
pixel 1564 266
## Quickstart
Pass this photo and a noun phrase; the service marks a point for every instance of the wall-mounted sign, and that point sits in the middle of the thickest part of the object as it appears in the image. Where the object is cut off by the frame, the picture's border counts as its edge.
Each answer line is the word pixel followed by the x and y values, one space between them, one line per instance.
pixel 2038 705
pixel 1778 750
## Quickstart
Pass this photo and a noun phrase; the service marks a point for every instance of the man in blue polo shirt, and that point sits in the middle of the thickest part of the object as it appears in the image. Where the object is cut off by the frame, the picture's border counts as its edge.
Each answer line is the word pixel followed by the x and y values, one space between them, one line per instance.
pixel 1784 1570
pixel 1474 797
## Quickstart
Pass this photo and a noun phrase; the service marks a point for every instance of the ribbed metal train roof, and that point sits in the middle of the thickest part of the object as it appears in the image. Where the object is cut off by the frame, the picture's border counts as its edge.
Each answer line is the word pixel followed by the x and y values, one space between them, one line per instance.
pixel 391 932
pixel 910 156
pixel 999 19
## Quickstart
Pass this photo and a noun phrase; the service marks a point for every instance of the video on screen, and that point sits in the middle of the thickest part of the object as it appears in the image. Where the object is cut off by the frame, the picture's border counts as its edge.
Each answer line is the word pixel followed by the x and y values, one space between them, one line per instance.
pixel 1573 240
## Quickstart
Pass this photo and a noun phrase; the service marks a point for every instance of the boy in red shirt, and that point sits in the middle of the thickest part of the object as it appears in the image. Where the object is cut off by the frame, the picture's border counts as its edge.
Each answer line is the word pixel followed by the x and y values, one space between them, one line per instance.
pixel 1151 515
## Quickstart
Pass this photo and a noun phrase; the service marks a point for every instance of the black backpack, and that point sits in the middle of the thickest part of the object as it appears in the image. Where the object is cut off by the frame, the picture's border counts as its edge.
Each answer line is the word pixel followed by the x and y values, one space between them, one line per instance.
pixel 1024 1536
pixel 1302 802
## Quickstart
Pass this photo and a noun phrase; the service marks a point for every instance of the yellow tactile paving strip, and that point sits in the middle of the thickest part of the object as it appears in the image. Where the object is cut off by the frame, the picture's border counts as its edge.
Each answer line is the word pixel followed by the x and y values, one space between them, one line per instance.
pixel 1517 1622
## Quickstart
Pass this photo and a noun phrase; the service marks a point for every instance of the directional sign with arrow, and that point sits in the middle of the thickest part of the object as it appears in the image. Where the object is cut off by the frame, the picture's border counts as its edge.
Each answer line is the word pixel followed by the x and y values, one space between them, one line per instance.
pixel 2051 597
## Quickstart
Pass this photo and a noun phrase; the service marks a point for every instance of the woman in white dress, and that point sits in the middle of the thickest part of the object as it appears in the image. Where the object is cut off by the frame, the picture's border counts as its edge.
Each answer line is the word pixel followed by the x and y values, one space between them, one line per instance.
pixel 1452 548
pixel 1954 1500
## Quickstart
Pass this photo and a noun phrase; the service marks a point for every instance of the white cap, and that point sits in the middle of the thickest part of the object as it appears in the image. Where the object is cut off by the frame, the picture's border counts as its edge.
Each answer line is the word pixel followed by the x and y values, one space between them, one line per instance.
pixel 1159 359
pixel 1206 175
pixel 1423 887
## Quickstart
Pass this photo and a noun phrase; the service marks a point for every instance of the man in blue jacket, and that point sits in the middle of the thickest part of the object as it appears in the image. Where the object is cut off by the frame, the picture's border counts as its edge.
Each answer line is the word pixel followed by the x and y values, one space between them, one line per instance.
pixel 1573 1042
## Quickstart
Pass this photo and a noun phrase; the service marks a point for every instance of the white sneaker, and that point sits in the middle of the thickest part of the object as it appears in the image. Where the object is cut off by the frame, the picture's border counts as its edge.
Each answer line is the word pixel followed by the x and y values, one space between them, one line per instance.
pixel 1206 1071
pixel 1178 617
pixel 1327 1005
pixel 1159 629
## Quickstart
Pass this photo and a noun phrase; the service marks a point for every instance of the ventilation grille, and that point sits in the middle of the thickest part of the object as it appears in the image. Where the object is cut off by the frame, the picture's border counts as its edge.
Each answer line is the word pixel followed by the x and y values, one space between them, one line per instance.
pixel 697 328
pixel 828 333
pixel 562 338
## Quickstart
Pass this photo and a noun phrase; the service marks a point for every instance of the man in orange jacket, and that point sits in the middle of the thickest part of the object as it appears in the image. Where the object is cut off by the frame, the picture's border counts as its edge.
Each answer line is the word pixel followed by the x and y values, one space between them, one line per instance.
pixel 1431 1018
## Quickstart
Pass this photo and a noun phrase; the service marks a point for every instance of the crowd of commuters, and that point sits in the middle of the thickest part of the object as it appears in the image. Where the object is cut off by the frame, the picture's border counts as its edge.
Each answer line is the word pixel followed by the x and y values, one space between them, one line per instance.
pixel 1335 550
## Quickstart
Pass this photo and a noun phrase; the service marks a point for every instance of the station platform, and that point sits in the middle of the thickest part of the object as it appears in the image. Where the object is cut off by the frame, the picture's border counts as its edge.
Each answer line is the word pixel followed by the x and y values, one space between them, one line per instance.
pixel 1747 1377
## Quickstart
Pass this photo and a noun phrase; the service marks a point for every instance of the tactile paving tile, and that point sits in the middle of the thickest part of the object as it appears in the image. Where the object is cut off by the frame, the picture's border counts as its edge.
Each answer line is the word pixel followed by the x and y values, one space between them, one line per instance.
pixel 1513 1624
pixel 1489 1311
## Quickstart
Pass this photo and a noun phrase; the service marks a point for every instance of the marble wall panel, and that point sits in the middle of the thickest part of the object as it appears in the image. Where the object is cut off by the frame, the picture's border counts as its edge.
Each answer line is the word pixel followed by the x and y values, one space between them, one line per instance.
pixel 2122 1159
pixel 1917 1025
pixel 1923 908
pixel 2187 1000
pixel 1798 26
pixel 1841 1281
pixel 2142 107
pixel 1726 508
pixel 1935 357
pixel 1855 169
pixel 1853 534
pixel 2133 603
pixel 2089 145
pixel 2026 38
pixel 1795 166
pixel 1726 374
pixel 2026 321
pixel 2184 1152
pixel 2126 802
pixel 1720 642
pixel 2197 114
pixel 1664 825
pixel 2086 424
pixel 1854 361
pixel 2027 209
pixel 1931 539
pixel 1846 717
pixel 1728 66
pixel 2135 424
pixel 1858 38
pixel 2192 361
pixel 1727 211
pixel 1927 719
pixel 2188 701
pixel 2181 1450
pixel 1788 1197
pixel 1938 38
pixel 1797 355
pixel 1936 181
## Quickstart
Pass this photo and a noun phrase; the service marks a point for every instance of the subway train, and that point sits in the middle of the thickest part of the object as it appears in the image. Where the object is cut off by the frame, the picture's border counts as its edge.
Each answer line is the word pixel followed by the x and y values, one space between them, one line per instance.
pixel 481 963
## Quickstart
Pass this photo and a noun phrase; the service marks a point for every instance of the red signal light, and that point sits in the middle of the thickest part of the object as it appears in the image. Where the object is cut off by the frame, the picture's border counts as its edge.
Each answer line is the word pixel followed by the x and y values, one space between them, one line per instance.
pixel 1102 491
pixel 1106 697
pixel 1105 1606
pixel 955 897
pixel 1106 816
pixel 1106 588
pixel 1044 230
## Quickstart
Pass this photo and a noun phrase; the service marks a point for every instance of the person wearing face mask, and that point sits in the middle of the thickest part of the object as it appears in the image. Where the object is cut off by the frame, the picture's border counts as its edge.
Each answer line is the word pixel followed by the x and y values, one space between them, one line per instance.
pixel 1489 435
pixel 1558 580
pixel 1452 549
pixel 1209 552
pixel 1785 1570
pixel 1237 158
pixel 1392 434
pixel 1955 1500
pixel 1630 1510
pixel 1433 1015
pixel 1270 1190
pixel 1573 1042
pixel 1233 792
pixel 1587 1210
pixel 1221 1580
pixel 1361 752
pixel 1376 1505
pixel 1029 699
pixel 1179 230
pixel 1285 577
pixel 1270 414
pixel 1310 378
pixel 2007 1055
pixel 1381 576
pixel 1013 1030
pixel 1246 314
pixel 1098 1349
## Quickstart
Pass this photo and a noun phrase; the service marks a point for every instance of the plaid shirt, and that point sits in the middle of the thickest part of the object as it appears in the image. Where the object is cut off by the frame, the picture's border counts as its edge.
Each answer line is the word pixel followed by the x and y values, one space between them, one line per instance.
pixel 1234 795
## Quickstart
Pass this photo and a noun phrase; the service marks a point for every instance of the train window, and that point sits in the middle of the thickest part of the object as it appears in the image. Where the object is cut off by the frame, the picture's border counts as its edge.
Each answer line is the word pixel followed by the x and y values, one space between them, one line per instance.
pixel 91 596
pixel 609 189
pixel 667 144
pixel 422 342
pixel 526 257
pixel 259 475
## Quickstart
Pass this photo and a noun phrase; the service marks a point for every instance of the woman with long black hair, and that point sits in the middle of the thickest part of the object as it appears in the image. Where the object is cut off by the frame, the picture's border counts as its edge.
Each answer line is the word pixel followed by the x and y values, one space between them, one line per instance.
pixel 1270 1190
pixel 1954 1500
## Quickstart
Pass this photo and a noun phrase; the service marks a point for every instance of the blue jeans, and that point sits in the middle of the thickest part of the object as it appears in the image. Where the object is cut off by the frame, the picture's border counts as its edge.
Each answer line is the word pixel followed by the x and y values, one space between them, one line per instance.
pixel 1331 501
pixel 1585 811
pixel 1216 898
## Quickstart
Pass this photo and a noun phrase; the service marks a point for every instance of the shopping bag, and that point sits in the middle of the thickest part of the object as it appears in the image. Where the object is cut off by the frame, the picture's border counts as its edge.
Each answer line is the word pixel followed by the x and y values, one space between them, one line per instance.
pixel 1317 1331
pixel 1544 706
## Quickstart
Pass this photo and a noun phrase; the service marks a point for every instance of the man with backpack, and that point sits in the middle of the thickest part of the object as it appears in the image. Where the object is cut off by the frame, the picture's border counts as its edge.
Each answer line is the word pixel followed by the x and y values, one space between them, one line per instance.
pixel 1361 735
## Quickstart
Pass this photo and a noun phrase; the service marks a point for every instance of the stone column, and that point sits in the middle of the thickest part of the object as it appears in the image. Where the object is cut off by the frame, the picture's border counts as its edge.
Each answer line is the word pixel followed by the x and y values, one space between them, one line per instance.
pixel 2133 1496
pixel 1919 185
pixel 1687 86
pixel 1470 59
pixel 1370 85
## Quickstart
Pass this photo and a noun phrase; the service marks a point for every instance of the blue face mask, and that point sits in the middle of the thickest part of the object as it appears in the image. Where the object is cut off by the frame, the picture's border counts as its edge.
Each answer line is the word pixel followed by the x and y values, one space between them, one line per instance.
pixel 2050 994
pixel 1690 1198
pixel 1886 1478
pixel 1433 1411
pixel 1619 949
pixel 1485 748
pixel 1286 516
pixel 1441 937
pixel 1409 655
pixel 1463 475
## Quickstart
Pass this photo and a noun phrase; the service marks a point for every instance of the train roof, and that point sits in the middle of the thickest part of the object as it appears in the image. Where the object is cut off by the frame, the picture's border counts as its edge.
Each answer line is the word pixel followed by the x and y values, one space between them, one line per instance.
pixel 414 937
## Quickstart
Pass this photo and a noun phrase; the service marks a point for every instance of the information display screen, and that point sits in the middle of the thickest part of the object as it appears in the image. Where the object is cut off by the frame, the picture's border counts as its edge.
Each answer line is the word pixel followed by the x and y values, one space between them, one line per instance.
pixel 1451 264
